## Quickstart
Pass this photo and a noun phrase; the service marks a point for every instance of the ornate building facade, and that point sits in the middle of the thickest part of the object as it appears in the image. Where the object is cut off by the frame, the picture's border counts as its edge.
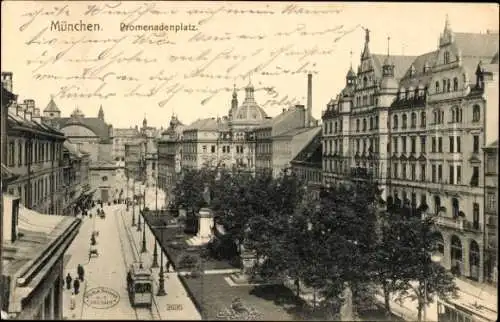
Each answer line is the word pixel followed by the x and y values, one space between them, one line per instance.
pixel 416 125
pixel 170 154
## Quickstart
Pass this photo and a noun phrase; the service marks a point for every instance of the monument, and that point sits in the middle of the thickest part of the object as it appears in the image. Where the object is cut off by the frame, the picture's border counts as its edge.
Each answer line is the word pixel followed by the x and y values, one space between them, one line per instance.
pixel 205 223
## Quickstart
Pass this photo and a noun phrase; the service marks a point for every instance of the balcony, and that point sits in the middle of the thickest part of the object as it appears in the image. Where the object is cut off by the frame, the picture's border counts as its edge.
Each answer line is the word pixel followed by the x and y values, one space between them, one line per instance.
pixel 460 224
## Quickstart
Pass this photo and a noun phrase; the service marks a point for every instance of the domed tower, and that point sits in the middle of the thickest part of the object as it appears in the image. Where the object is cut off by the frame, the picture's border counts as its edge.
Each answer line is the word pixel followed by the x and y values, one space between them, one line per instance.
pixel 100 115
pixel 249 113
pixel 388 85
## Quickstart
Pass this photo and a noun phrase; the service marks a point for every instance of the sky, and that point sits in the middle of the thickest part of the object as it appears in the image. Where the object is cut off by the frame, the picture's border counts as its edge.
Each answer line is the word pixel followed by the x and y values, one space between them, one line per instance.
pixel 191 71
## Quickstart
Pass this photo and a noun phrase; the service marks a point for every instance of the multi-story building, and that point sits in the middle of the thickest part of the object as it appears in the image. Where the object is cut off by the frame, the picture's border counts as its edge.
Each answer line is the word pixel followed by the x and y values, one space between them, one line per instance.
pixel 33 245
pixel 134 158
pixel 307 166
pixel 170 154
pixel 34 153
pixel 87 132
pixel 122 137
pixel 77 192
pixel 416 125
pixel 491 212
pixel 228 141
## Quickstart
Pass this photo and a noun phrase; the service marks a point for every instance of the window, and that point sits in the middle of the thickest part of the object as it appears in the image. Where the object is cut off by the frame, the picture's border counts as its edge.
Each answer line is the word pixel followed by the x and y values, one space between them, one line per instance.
pixel 455 208
pixel 204 148
pixel 403 140
pixel 413 172
pixel 437 87
pixel 440 145
pixel 459 174
pixel 491 164
pixel 422 172
pixel 364 124
pixel 357 125
pixel 455 84
pixel 19 154
pixel 451 177
pixel 491 202
pixel 395 145
pixel 413 141
pixel 212 148
pixel 440 173
pixel 26 153
pixel 357 145
pixel 436 117
pixel 404 121
pixel 475 144
pixel 371 123
pixel 395 170
pixel 452 143
pixel 413 120
pixel 403 167
pixel 459 148
pixel 446 57
pixel 12 156
pixel 476 113
pixel 433 145
pixel 224 149
pixel 475 215
pixel 422 144
pixel 395 121
pixel 474 182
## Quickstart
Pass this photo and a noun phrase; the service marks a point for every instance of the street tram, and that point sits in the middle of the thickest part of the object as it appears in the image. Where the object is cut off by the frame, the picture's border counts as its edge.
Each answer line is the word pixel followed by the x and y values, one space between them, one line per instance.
pixel 140 285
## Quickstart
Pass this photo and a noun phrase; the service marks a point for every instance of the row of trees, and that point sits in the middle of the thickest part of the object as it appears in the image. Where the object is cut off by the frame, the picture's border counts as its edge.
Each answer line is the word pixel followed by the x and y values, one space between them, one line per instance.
pixel 346 237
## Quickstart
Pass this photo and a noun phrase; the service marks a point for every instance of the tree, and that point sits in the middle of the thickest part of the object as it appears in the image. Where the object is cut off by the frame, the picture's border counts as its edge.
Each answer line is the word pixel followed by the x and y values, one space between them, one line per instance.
pixel 428 279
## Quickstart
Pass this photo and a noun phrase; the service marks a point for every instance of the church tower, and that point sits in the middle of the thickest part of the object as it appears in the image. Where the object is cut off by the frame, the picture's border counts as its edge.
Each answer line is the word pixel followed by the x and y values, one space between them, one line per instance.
pixel 100 115
pixel 234 102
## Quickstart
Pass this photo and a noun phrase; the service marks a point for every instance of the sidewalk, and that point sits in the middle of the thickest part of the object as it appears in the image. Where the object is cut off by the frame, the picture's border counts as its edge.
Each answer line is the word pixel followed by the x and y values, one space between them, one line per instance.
pixel 176 305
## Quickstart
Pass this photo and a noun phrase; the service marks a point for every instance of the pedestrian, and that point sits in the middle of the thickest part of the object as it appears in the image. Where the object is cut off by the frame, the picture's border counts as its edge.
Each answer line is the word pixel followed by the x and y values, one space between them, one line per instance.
pixel 72 301
pixel 68 281
pixel 81 272
pixel 76 285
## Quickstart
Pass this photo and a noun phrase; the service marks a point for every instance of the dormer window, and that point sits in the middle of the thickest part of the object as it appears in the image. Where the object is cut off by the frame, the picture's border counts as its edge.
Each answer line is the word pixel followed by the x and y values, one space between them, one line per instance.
pixel 412 71
pixel 426 67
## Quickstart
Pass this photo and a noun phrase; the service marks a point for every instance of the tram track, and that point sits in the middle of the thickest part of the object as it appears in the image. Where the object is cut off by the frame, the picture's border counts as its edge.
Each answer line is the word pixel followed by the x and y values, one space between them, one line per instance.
pixel 141 313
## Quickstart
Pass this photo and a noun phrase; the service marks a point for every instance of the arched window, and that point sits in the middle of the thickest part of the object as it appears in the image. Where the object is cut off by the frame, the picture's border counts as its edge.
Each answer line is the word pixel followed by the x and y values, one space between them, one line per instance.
pixel 456 251
pixel 413 120
pixel 422 119
pixel 404 121
pixel 476 113
pixel 474 257
pixel 437 87
pixel 357 125
pixel 365 81
pixel 395 121
pixel 364 124
pixel 455 207
pixel 455 84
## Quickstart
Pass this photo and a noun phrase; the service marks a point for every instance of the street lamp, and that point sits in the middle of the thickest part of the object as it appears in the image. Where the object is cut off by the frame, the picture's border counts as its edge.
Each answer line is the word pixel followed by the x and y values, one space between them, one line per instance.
pixel 144 249
pixel 133 204
pixel 161 288
pixel 139 215
pixel 435 258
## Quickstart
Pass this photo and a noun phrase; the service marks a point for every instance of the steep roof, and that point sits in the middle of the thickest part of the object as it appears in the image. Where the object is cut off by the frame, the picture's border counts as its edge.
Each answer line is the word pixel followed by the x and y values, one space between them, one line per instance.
pixel 17 121
pixel 477 45
pixel 419 77
pixel 52 107
pixel 208 124
pixel 401 64
pixel 311 153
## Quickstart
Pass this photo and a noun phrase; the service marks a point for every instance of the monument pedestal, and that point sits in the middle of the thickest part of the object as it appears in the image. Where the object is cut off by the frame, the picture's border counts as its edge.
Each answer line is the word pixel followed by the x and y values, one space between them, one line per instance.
pixel 205 226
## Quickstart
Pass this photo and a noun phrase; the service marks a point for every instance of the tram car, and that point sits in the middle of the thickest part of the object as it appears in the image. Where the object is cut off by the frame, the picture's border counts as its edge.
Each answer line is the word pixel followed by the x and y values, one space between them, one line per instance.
pixel 140 285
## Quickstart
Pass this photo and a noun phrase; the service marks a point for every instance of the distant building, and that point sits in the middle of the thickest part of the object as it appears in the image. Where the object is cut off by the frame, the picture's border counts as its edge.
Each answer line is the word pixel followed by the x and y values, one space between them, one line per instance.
pixel 491 213
pixel 77 192
pixel 307 165
pixel 121 137
pixel 170 154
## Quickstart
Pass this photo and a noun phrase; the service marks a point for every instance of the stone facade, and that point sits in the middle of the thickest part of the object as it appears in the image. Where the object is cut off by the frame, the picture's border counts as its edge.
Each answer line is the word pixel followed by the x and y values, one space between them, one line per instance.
pixel 416 125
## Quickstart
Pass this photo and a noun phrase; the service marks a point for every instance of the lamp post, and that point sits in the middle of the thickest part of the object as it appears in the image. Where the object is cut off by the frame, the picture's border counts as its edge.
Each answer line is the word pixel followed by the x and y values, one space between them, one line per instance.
pixel 133 204
pixel 435 258
pixel 161 288
pixel 144 249
pixel 139 225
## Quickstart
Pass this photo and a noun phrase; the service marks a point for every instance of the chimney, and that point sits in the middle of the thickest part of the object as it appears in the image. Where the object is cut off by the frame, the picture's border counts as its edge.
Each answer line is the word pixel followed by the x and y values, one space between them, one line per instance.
pixel 30 105
pixel 20 109
pixel 309 100
pixel 7 81
pixel 27 115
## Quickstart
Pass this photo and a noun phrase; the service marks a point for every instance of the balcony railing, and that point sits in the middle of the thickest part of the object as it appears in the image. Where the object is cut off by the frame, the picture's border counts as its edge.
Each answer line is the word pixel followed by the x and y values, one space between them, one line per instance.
pixel 458 224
